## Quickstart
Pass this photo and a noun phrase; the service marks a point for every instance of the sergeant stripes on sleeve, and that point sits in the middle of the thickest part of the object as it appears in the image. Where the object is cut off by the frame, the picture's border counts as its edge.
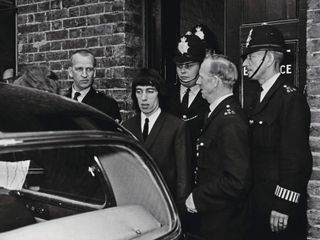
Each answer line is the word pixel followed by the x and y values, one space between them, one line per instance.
pixel 287 194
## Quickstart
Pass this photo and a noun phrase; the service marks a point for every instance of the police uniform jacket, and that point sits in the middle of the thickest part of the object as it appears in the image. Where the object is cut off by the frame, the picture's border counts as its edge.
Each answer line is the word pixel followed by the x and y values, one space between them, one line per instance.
pixel 101 102
pixel 169 145
pixel 281 154
pixel 223 175
pixel 193 116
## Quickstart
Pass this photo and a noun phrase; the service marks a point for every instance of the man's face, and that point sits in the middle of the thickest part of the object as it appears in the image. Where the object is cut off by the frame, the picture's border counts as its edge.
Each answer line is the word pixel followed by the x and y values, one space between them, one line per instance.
pixel 188 73
pixel 206 81
pixel 82 71
pixel 252 62
pixel 148 100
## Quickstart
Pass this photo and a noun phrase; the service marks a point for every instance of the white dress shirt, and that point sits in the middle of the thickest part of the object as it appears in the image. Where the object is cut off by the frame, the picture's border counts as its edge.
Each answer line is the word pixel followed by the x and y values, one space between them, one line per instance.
pixel 152 119
pixel 267 85
pixel 192 94
pixel 82 92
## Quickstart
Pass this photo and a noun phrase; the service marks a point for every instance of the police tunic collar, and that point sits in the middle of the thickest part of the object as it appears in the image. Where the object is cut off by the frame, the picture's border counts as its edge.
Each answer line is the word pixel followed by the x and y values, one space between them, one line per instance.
pixel 217 102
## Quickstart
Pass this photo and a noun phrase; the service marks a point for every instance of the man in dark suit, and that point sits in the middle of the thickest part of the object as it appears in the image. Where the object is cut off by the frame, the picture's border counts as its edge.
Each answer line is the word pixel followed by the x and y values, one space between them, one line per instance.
pixel 281 154
pixel 163 135
pixel 220 197
pixel 82 70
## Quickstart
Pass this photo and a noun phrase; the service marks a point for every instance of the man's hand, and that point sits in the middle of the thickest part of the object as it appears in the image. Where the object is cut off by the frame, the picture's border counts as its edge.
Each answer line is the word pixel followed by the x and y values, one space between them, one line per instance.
pixel 190 204
pixel 278 221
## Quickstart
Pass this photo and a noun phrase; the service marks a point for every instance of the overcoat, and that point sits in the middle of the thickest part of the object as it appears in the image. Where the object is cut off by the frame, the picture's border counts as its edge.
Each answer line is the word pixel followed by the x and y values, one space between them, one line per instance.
pixel 282 160
pixel 224 173
pixel 101 102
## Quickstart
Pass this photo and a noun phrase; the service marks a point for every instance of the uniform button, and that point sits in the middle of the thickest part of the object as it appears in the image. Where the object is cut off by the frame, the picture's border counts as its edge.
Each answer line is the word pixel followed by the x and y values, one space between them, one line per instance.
pixel 251 121
pixel 184 116
pixel 228 106
pixel 196 168
pixel 202 144
pixel 260 122
pixel 197 154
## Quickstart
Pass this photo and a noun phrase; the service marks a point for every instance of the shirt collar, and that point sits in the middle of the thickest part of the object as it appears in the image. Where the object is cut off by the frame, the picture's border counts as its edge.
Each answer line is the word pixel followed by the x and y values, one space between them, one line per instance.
pixel 152 118
pixel 193 90
pixel 268 84
pixel 83 93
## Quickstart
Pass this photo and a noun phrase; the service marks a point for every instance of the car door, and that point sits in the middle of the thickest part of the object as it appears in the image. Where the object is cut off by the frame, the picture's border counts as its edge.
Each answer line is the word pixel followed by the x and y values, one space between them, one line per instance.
pixel 64 179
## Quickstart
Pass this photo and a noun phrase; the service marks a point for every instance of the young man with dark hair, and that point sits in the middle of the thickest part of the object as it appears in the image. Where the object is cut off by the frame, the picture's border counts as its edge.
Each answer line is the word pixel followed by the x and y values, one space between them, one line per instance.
pixel 163 135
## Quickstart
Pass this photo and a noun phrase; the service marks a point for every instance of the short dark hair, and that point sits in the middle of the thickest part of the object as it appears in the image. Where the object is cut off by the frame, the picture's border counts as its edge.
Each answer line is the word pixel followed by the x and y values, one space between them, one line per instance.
pixel 84 52
pixel 149 77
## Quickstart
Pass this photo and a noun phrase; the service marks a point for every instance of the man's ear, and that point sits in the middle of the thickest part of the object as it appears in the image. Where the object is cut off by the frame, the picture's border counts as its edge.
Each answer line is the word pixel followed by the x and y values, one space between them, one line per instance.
pixel 269 58
pixel 70 72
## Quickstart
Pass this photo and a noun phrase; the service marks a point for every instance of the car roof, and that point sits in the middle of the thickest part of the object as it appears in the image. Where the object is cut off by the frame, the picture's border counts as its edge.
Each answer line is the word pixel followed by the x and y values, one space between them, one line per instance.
pixel 26 109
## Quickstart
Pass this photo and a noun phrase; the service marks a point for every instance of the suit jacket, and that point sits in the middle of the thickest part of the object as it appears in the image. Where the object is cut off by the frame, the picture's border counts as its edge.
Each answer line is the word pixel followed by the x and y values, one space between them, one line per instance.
pixel 168 144
pixel 193 116
pixel 101 102
pixel 282 161
pixel 224 173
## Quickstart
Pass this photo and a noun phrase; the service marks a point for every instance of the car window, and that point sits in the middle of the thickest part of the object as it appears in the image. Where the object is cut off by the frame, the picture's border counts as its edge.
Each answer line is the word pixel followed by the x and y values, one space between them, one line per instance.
pixel 72 173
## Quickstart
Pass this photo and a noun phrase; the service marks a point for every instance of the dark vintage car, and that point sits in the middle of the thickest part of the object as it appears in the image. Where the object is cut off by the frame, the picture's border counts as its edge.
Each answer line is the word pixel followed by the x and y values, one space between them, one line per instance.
pixel 68 171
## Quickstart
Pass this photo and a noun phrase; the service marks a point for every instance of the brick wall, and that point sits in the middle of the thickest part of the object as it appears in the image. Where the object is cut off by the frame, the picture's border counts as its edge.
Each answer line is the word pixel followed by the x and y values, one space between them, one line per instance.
pixel 313 82
pixel 49 30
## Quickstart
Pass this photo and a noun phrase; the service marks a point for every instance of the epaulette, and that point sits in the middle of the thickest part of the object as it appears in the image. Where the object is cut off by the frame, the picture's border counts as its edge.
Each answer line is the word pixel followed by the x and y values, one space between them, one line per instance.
pixel 289 89
pixel 229 111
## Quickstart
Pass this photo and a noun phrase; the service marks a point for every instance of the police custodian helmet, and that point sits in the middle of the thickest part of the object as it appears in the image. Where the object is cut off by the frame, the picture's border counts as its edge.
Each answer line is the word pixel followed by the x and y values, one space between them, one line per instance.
pixel 190 49
pixel 264 37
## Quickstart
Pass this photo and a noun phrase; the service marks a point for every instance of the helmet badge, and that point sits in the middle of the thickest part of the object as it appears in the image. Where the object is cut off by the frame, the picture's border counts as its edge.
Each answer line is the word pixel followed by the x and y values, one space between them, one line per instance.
pixel 199 33
pixel 249 38
pixel 183 46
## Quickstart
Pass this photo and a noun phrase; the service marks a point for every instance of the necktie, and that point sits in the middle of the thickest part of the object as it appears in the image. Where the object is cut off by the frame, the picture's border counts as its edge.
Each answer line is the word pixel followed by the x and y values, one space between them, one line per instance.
pixel 145 129
pixel 259 95
pixel 76 95
pixel 185 99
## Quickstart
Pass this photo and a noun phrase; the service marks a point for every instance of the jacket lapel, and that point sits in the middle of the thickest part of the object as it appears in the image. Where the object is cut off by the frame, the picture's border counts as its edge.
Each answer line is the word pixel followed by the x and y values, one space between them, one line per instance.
pixel 136 129
pixel 195 103
pixel 88 96
pixel 155 131
pixel 278 83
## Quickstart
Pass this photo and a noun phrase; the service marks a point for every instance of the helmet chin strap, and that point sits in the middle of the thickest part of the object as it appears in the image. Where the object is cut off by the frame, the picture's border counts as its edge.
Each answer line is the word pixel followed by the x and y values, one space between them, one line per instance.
pixel 262 61
pixel 196 77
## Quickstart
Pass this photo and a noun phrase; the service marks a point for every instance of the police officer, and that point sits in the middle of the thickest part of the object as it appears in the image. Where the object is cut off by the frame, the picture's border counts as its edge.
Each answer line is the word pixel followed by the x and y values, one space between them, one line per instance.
pixel 281 154
pixel 220 197
pixel 186 102
pixel 185 97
